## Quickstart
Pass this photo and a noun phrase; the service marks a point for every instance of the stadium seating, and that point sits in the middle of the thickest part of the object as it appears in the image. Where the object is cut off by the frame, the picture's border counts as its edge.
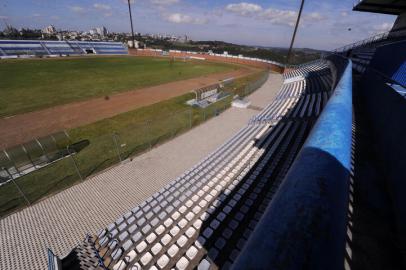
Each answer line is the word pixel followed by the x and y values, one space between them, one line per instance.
pixel 216 205
pixel 100 47
pixel 304 96
pixel 58 48
pixel 13 48
pixel 22 47
pixel 400 74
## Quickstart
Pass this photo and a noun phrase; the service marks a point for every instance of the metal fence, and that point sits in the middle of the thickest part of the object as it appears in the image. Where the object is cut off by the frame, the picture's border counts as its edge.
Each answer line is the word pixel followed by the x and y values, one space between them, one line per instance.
pixel 102 152
pixel 105 151
pixel 251 87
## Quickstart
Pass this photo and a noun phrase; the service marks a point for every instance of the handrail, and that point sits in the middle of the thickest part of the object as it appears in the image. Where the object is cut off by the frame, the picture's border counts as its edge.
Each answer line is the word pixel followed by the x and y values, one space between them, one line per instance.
pixel 368 41
pixel 363 42
pixel 377 72
pixel 304 227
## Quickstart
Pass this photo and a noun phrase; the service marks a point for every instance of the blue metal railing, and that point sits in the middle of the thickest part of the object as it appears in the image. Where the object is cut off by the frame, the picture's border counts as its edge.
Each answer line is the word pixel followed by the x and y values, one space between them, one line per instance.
pixel 304 227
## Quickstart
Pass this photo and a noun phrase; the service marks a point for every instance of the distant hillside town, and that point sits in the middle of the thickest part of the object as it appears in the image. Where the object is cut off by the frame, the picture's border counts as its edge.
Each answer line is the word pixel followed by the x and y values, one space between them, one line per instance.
pixel 95 34
pixel 158 41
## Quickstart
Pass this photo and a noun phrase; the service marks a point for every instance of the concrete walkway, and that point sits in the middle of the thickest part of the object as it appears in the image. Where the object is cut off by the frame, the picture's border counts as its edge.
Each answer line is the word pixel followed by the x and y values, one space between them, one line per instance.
pixel 61 221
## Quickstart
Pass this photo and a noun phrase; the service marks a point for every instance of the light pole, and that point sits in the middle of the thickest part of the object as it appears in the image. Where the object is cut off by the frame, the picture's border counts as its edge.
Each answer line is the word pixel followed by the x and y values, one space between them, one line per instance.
pixel 294 33
pixel 131 21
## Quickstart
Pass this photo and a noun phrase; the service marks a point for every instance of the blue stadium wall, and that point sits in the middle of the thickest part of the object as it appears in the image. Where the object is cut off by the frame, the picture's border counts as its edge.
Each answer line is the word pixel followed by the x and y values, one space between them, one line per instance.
pixel 43 48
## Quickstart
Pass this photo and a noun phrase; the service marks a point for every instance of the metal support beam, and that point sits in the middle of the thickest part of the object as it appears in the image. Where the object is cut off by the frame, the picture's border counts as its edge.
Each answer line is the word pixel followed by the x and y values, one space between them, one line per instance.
pixel 294 32
pixel 131 21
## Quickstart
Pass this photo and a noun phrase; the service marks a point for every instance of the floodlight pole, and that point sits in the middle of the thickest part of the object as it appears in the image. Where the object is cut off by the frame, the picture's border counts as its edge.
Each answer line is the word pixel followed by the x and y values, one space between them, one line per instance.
pixel 131 21
pixel 294 33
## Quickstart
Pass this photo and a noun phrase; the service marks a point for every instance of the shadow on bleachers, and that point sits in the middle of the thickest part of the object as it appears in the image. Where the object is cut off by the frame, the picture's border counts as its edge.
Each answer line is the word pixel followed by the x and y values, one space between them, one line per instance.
pixel 236 213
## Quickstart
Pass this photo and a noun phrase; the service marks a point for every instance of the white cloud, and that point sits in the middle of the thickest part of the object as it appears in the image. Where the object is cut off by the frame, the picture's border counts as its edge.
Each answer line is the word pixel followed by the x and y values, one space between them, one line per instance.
pixel 344 13
pixel 184 19
pixel 383 27
pixel 77 9
pixel 36 15
pixel 313 17
pixel 275 16
pixel 101 6
pixel 164 2
pixel 217 13
pixel 244 8
pixel 279 17
pixel 55 17
pixel 3 17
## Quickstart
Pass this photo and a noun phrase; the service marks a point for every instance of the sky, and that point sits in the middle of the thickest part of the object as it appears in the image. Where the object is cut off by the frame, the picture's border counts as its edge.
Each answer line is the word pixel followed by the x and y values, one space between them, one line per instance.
pixel 325 24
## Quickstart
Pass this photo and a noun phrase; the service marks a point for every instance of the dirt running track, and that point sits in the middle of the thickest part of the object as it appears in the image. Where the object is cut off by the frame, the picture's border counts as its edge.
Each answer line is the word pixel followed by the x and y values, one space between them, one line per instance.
pixel 24 127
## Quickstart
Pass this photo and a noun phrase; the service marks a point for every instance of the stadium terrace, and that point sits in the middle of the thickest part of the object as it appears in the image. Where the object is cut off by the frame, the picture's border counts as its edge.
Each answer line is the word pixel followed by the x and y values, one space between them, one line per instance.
pixel 313 178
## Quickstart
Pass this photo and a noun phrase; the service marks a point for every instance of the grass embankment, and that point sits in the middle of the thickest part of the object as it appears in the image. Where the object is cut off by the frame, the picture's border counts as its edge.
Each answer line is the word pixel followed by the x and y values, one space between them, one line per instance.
pixel 136 131
pixel 31 84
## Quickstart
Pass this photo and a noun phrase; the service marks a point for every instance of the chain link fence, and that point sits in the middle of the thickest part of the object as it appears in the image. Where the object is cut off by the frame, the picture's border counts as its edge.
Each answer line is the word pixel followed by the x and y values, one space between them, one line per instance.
pixel 102 152
pixel 251 87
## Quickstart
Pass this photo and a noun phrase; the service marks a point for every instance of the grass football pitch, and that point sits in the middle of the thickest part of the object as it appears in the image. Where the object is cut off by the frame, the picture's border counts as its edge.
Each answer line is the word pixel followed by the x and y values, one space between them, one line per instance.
pixel 33 84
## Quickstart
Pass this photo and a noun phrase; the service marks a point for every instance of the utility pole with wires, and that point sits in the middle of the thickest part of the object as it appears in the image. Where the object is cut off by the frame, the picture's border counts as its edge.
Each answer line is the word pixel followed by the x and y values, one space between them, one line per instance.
pixel 131 21
pixel 294 33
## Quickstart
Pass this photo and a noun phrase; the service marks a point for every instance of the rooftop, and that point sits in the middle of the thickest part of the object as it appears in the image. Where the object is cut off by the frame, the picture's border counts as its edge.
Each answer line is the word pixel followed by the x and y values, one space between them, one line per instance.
pixel 393 7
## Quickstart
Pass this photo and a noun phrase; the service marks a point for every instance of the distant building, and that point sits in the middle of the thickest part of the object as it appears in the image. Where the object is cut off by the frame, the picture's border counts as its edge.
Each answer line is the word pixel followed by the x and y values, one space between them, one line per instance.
pixel 99 31
pixel 184 39
pixel 73 34
pixel 50 30
pixel 102 31
pixel 10 31
pixel 130 44
pixel 93 31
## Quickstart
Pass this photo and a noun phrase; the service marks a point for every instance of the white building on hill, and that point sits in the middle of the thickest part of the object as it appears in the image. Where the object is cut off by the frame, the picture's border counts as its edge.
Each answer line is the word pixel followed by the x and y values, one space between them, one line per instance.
pixel 49 30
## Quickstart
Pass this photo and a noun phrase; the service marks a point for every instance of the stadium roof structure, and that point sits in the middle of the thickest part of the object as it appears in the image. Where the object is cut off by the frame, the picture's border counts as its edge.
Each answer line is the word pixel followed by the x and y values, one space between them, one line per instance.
pixel 394 7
